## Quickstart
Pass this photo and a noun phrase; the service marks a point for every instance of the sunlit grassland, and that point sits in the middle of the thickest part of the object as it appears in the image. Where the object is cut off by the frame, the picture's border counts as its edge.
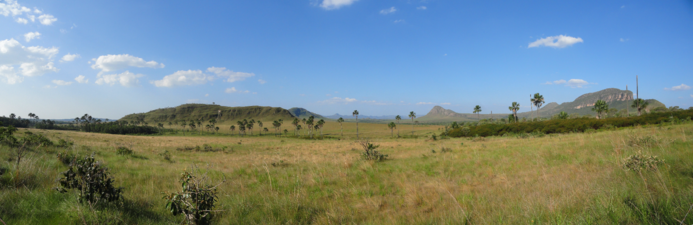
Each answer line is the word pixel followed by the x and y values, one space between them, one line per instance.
pixel 555 179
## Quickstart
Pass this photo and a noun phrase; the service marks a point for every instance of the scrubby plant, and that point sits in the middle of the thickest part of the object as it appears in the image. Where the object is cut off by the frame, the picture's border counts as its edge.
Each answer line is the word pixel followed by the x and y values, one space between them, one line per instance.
pixel 66 158
pixel 196 200
pixel 641 162
pixel 123 151
pixel 370 152
pixel 62 143
pixel 646 141
pixel 91 180
pixel 166 155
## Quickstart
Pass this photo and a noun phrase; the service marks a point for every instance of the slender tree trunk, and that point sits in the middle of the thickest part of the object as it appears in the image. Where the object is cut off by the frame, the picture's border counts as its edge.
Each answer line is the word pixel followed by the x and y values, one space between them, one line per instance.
pixel 412 127
pixel 341 128
pixel 357 127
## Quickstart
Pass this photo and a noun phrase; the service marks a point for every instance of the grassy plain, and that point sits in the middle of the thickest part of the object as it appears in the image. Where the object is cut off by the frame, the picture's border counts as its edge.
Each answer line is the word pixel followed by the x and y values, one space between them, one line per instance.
pixel 554 179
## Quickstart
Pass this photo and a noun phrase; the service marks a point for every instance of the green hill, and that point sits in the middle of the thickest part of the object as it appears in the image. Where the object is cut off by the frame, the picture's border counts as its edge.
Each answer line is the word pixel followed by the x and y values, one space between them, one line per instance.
pixel 206 112
pixel 304 113
pixel 616 98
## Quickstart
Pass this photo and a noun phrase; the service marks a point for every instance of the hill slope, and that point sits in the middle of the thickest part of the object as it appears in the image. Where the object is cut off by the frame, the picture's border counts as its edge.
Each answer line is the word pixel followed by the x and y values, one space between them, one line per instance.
pixel 617 99
pixel 206 112
pixel 304 113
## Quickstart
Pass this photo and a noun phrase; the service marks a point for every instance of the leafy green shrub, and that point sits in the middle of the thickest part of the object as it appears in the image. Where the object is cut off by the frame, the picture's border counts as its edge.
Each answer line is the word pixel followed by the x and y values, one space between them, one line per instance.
pixel 646 141
pixel 195 201
pixel 370 152
pixel 91 180
pixel 62 143
pixel 538 134
pixel 123 151
pixel 434 137
pixel 641 162
pixel 66 158
pixel 166 155
pixel 444 149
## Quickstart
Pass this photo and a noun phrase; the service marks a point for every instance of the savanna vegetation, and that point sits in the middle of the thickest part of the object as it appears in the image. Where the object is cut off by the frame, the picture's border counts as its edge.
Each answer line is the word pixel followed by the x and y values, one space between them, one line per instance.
pixel 632 175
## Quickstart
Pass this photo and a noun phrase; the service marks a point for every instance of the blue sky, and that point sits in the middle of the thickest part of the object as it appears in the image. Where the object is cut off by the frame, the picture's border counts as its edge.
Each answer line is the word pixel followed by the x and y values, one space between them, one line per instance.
pixel 61 59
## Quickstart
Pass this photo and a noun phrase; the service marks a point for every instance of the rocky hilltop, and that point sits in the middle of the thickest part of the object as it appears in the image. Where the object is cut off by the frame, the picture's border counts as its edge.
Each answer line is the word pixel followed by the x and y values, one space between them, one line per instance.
pixel 616 98
pixel 205 112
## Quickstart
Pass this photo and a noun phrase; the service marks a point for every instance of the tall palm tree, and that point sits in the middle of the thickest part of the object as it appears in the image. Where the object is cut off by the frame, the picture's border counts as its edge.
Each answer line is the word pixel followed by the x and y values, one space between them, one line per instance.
pixel 304 121
pixel 412 115
pixel 538 100
pixel 232 128
pixel 477 110
pixel 310 122
pixel 600 107
pixel 240 124
pixel 398 118
pixel 563 115
pixel 340 121
pixel 392 126
pixel 321 123
pixel 514 107
pixel 250 125
pixel 295 123
pixel 356 114
pixel 259 123
pixel 640 104
pixel 199 124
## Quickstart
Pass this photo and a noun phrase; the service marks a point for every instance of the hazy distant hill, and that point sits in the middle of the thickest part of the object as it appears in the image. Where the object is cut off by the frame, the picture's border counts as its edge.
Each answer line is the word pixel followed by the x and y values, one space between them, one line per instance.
pixel 347 117
pixel 304 113
pixel 618 99
pixel 206 112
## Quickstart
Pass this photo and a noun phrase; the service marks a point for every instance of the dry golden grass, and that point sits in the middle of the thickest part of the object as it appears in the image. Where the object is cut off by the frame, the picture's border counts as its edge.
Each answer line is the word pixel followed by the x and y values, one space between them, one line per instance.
pixel 571 178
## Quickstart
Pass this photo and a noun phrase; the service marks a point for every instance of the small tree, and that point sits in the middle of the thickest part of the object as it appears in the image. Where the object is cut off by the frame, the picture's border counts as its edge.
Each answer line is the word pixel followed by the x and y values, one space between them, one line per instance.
pixel 563 115
pixel 370 152
pixel 92 181
pixel 341 128
pixel 392 127
pixel 196 199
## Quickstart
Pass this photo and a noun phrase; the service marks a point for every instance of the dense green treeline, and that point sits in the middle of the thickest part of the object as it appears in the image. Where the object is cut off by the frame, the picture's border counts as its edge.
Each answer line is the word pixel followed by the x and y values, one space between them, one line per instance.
pixel 569 125
pixel 118 128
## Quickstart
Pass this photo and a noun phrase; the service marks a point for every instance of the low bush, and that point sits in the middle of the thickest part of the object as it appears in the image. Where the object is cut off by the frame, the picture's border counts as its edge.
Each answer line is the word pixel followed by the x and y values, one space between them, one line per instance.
pixel 195 201
pixel 569 125
pixel 123 151
pixel 166 155
pixel 641 162
pixel 91 180
pixel 370 152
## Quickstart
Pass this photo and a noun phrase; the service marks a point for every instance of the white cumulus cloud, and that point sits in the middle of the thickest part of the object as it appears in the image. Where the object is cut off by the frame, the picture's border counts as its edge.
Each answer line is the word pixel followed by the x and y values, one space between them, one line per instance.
pixel 69 57
pixel 107 63
pixel 8 75
pixel 183 78
pixel 12 8
pixel 229 75
pixel 335 4
pixel 233 90
pixel 678 88
pixel 62 82
pixel 338 100
pixel 47 19
pixel 32 35
pixel 560 41
pixel 421 7
pixel 81 79
pixel 22 21
pixel 388 11
pixel 30 61
pixel 126 79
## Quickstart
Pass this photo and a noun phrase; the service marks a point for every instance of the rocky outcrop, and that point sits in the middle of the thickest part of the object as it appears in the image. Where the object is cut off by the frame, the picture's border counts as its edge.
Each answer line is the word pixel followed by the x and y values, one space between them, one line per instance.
pixel 608 95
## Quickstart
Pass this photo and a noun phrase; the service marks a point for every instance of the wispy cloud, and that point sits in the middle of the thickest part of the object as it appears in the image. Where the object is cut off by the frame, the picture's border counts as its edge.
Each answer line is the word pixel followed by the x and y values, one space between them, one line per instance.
pixel 678 88
pixel 233 90
pixel 425 103
pixel 62 82
pixel 623 40
pixel 126 79
pixel 229 75
pixel 69 57
pixel 560 41
pixel 338 100
pixel 81 79
pixel 32 35
pixel 388 11
pixel 107 63
pixel 374 102
pixel 261 81
pixel 183 78
pixel 398 21
pixel 421 7
pixel 335 4
pixel 573 83
pixel 445 103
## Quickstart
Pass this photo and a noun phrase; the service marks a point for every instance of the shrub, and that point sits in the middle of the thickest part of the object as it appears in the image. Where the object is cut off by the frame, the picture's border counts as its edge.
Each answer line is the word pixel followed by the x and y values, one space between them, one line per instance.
pixel 647 141
pixel 444 149
pixel 67 158
pixel 195 201
pixel 370 152
pixel 166 155
pixel 62 143
pixel 641 162
pixel 123 151
pixel 91 180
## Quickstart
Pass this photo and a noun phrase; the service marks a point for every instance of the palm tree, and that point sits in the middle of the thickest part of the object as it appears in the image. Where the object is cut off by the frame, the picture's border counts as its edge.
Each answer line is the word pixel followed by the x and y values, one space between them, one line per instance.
pixel 398 118
pixel 412 115
pixel 514 107
pixel 199 124
pixel 304 121
pixel 295 123
pixel 356 114
pixel 392 126
pixel 321 123
pixel 477 110
pixel 600 107
pixel 563 115
pixel 640 104
pixel 310 123
pixel 265 129
pixel 538 100
pixel 259 124
pixel 192 125
pixel 232 128
pixel 298 128
pixel 240 124
pixel 250 125
pixel 276 125
pixel 340 121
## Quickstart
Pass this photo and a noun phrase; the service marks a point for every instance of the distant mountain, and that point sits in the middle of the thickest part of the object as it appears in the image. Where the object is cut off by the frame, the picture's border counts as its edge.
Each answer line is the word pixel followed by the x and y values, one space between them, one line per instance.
pixel 205 112
pixel 346 117
pixel 617 99
pixel 304 113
